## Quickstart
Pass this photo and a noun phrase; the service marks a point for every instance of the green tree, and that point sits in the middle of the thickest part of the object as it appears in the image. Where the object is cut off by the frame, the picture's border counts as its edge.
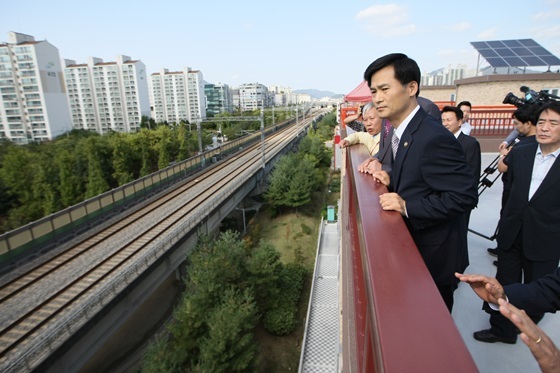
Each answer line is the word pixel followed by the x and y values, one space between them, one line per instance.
pixel 312 144
pixel 183 136
pixel 17 174
pixel 229 345
pixel 45 185
pixel 96 181
pixel 264 268
pixel 126 159
pixel 301 185
pixel 144 142
pixel 165 146
pixel 71 162
pixel 279 181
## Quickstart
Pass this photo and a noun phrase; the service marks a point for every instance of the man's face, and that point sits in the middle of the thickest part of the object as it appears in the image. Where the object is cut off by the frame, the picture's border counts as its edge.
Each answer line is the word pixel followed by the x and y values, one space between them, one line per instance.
pixel 450 121
pixel 391 99
pixel 466 112
pixel 372 122
pixel 548 129
pixel 522 128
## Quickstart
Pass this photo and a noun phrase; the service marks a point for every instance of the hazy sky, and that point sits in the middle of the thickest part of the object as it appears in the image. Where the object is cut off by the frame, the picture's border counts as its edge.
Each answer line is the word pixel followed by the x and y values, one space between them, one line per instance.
pixel 301 44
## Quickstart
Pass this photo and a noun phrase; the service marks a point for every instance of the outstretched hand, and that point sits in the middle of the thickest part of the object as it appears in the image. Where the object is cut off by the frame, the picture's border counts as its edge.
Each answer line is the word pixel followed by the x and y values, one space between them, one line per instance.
pixel 487 288
pixel 541 346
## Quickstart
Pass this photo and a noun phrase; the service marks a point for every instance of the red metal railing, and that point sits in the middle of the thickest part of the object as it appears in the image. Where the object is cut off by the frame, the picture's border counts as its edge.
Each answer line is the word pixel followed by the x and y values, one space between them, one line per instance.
pixel 492 120
pixel 393 317
pixel 486 121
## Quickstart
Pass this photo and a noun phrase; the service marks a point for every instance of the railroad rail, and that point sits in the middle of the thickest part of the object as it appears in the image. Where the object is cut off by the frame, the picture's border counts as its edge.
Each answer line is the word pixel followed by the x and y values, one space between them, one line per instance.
pixel 45 304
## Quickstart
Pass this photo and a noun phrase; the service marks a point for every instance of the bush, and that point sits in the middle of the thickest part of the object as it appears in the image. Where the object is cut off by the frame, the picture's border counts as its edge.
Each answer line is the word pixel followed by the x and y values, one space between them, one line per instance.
pixel 305 229
pixel 281 320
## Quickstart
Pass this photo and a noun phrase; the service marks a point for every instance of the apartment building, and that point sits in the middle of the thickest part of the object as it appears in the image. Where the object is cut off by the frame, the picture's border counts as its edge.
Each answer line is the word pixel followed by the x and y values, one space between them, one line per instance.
pixel 107 96
pixel 218 99
pixel 178 96
pixel 253 96
pixel 280 96
pixel 33 104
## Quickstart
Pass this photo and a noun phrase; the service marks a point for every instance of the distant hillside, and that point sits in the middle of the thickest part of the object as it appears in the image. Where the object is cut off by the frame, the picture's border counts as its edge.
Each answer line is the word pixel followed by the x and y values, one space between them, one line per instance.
pixel 315 93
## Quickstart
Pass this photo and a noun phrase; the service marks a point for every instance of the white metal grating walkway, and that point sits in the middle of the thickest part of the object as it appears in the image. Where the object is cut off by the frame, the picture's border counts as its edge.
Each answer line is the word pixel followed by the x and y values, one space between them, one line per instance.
pixel 321 342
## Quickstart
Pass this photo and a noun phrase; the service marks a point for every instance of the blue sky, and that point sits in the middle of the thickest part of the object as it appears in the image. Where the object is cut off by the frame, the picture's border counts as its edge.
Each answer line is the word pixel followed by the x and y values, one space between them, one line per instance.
pixel 302 44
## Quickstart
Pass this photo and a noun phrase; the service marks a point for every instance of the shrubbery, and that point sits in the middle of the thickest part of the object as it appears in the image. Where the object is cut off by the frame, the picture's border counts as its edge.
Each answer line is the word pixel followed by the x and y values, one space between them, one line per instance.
pixel 229 286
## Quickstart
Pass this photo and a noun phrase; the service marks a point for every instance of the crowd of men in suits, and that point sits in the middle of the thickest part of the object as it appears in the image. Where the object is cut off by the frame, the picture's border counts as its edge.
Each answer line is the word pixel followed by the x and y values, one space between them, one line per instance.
pixel 431 172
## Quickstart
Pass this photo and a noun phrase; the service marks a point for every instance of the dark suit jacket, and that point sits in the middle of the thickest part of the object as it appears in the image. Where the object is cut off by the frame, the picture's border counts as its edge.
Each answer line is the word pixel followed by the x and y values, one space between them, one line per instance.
pixel 430 173
pixel 471 148
pixel 538 219
pixel 542 295
pixel 385 154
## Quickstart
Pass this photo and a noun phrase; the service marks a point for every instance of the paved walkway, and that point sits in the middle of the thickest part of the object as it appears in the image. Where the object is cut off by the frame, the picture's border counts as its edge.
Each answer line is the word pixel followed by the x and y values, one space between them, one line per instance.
pixel 320 352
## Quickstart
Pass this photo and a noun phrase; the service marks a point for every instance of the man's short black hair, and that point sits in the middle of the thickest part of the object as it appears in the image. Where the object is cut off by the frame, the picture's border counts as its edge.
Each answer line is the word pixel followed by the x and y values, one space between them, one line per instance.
pixel 526 114
pixel 455 109
pixel 551 105
pixel 406 69
pixel 465 103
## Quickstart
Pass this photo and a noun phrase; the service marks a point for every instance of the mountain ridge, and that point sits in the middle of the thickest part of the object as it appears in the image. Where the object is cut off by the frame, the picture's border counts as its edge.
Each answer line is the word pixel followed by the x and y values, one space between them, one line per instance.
pixel 318 94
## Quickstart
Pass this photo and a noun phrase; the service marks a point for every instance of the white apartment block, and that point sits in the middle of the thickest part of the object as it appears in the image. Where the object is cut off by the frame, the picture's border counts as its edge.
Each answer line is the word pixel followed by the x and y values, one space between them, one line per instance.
pixel 33 104
pixel 447 76
pixel 280 96
pixel 253 96
pixel 107 96
pixel 178 96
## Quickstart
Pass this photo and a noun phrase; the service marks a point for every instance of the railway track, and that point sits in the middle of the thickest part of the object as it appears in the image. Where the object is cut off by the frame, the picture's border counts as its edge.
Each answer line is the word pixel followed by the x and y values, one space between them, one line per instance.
pixel 42 298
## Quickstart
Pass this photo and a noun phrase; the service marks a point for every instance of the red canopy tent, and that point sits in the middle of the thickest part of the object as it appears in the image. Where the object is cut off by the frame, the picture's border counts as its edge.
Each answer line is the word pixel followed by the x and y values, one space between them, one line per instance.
pixel 361 93
pixel 353 100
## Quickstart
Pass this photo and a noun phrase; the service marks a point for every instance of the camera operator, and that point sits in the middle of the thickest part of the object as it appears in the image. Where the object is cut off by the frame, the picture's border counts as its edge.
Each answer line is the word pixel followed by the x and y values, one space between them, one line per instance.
pixel 528 236
pixel 528 97
pixel 525 122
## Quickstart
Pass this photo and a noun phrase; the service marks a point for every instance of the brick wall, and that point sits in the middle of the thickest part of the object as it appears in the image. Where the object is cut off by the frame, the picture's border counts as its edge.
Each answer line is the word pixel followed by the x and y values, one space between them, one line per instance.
pixel 490 89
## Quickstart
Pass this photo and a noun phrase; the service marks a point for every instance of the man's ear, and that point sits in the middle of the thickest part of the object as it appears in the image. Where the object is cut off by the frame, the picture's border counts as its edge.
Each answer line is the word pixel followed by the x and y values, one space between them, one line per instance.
pixel 412 88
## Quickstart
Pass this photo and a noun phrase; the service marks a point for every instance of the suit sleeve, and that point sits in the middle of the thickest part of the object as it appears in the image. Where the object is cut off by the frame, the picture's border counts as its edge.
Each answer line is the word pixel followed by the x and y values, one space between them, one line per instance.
pixel 542 295
pixel 450 189
pixel 473 156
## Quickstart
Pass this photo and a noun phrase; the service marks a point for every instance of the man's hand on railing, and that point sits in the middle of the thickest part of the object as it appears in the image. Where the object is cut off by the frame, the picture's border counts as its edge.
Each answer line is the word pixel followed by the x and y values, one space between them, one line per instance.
pixel 381 176
pixel 392 201
pixel 369 166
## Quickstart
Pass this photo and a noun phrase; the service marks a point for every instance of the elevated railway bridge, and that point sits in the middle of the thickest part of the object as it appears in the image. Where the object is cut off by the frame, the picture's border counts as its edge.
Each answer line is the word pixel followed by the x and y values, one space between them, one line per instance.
pixel 72 281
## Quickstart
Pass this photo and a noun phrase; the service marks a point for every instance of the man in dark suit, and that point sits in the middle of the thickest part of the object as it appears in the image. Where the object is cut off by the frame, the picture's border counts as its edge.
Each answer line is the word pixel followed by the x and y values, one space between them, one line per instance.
pixel 452 119
pixel 528 234
pixel 384 156
pixel 431 185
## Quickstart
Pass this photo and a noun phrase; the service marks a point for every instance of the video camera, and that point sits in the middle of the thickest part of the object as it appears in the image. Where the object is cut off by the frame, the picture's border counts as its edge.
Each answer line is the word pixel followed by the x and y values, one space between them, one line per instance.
pixel 531 98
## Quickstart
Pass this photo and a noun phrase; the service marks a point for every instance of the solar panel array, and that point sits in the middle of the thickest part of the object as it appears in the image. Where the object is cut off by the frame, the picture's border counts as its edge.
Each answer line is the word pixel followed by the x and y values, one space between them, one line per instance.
pixel 515 53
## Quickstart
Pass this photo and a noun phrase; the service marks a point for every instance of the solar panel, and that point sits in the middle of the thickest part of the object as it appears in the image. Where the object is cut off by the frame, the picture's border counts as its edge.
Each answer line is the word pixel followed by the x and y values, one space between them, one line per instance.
pixel 515 53
pixel 479 44
pixel 512 43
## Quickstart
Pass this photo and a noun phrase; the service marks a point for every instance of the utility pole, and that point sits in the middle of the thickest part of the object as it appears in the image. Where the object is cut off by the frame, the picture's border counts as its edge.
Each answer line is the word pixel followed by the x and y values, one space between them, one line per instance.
pixel 262 137
pixel 199 130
